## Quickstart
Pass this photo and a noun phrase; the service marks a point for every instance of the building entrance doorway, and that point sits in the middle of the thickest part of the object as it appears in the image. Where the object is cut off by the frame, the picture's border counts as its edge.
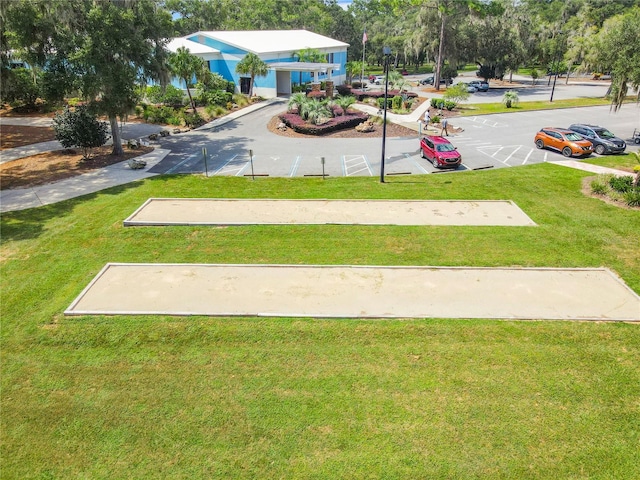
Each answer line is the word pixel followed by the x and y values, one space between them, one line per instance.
pixel 245 85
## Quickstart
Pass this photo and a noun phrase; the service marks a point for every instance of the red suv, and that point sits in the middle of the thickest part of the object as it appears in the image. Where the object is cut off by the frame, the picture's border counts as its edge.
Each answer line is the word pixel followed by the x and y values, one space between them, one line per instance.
pixel 440 152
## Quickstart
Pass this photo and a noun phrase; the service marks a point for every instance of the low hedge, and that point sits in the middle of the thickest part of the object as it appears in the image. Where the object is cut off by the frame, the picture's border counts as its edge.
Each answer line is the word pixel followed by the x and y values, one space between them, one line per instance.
pixel 348 120
pixel 362 94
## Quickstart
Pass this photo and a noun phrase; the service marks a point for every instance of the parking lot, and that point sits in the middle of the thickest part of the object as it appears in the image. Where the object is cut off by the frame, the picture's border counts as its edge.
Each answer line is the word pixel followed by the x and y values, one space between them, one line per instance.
pixel 245 147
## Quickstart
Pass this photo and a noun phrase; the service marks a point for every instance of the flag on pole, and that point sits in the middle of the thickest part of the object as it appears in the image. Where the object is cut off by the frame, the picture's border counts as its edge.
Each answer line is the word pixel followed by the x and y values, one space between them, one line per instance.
pixel 364 37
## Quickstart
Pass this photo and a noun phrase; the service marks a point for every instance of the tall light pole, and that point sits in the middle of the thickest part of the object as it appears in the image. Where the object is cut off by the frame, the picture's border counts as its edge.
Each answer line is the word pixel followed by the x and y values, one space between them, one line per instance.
pixel 386 51
pixel 557 67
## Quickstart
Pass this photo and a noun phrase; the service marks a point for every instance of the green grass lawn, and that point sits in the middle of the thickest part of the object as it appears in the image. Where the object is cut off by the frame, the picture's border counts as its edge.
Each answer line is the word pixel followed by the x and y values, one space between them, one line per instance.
pixel 488 108
pixel 621 162
pixel 199 397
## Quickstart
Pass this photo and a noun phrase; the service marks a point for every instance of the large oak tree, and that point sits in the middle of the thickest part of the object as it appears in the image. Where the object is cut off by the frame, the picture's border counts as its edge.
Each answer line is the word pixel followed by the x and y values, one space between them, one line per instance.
pixel 107 45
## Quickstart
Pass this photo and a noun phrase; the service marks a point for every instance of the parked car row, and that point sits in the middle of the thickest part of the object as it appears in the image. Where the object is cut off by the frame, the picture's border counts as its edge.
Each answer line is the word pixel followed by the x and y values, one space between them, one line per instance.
pixel 476 86
pixel 579 140
pixel 429 81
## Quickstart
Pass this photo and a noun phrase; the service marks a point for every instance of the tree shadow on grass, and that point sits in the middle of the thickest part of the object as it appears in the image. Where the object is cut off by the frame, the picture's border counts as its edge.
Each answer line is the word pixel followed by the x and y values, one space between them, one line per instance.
pixel 30 223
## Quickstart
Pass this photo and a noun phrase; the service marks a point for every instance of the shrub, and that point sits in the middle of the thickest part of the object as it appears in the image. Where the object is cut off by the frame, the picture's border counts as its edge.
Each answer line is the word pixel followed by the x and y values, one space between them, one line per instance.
pixel 79 128
pixel 598 187
pixel 510 98
pixel 456 93
pixel 381 103
pixel 435 119
pixel 396 102
pixel 215 110
pixel 240 99
pixel 621 184
pixel 449 105
pixel 437 103
pixel 343 90
pixel 318 95
pixel 192 120
pixel 361 95
pixel 344 102
pixel 296 101
pixel 632 197
pixel 170 95
pixel 214 97
pixel 315 111
pixel 20 87
pixel 162 114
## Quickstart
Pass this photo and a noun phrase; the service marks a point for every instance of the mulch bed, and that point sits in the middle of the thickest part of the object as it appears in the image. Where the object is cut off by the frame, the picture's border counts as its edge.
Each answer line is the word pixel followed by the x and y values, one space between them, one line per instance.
pixel 12 136
pixel 393 130
pixel 57 165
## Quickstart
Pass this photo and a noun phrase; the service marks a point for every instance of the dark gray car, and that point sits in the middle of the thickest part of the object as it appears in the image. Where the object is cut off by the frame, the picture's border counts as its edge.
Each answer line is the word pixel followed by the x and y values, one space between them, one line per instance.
pixel 603 140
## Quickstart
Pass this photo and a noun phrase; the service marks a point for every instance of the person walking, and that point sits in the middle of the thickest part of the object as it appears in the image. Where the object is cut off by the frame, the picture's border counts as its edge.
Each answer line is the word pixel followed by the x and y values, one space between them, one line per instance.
pixel 444 124
pixel 427 118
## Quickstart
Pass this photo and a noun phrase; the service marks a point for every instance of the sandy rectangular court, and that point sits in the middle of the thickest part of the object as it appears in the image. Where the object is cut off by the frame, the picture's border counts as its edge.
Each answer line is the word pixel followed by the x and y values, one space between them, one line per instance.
pixel 207 211
pixel 358 292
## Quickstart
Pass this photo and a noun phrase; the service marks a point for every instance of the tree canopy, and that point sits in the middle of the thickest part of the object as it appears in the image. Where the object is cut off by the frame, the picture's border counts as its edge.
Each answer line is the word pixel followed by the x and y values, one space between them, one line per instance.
pixel 101 48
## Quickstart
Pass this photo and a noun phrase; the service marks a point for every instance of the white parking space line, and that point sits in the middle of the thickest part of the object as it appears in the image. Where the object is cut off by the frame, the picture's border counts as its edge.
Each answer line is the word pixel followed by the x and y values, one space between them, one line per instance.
pixel 528 155
pixel 492 155
pixel 244 167
pixel 416 163
pixel 294 166
pixel 513 153
pixel 487 122
pixel 354 164
pixel 184 162
pixel 496 152
pixel 229 167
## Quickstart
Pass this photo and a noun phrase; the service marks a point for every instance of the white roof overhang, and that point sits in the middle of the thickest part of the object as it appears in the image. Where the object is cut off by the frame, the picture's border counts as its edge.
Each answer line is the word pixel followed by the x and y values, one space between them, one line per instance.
pixel 304 66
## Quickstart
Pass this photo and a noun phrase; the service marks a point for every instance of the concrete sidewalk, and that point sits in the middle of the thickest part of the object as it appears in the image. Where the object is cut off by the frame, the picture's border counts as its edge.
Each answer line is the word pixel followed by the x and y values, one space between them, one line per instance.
pixel 107 177
pixel 587 167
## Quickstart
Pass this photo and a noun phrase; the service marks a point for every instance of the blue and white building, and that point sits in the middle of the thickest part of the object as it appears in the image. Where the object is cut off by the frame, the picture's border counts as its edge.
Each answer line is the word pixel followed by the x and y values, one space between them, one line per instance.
pixel 278 48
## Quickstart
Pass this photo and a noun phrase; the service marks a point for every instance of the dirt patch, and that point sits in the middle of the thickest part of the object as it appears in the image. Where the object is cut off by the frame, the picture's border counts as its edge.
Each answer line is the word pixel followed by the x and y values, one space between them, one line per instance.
pixel 57 165
pixel 586 190
pixel 13 136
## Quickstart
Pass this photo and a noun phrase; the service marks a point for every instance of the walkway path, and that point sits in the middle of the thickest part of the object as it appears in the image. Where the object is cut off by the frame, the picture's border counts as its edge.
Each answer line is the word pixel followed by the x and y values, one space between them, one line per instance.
pixel 107 177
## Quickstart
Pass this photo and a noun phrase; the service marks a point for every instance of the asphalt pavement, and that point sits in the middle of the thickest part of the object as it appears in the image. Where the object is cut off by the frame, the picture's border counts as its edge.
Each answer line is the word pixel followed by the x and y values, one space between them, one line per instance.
pixel 240 145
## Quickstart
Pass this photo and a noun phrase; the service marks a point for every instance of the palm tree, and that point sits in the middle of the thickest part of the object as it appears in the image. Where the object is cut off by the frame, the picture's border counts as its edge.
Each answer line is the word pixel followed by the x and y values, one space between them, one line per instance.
pixel 311 55
pixel 354 69
pixel 395 78
pixel 253 66
pixel 185 66
pixel 314 111
pixel 510 98
pixel 297 100
pixel 345 101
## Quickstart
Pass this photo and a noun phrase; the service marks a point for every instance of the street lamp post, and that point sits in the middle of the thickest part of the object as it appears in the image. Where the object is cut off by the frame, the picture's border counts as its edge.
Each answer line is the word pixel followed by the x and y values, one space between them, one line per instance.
pixel 386 51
